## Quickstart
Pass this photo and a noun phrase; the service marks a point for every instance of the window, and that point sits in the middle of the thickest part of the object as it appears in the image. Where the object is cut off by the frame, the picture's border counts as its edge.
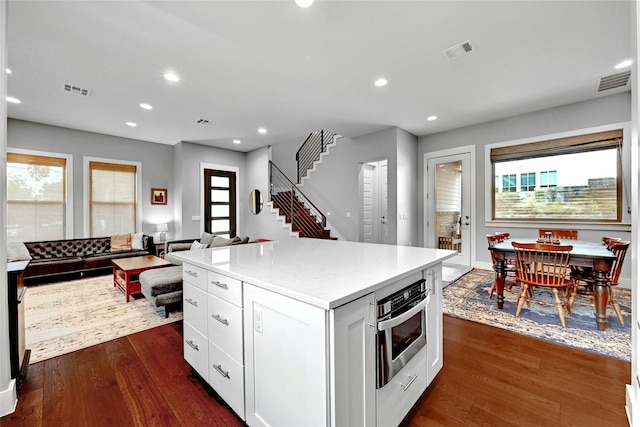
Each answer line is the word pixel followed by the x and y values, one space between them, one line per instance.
pixel 509 183
pixel 548 179
pixel 580 179
pixel 220 202
pixel 112 195
pixel 528 181
pixel 36 197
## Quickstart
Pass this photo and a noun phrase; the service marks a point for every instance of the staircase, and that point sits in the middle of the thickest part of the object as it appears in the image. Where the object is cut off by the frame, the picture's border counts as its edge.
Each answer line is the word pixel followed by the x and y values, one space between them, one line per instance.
pixel 312 149
pixel 304 218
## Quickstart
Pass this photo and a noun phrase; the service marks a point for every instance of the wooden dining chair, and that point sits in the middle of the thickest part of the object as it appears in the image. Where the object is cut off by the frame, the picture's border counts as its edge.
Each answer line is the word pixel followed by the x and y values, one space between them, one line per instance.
pixel 545 266
pixel 510 273
pixel 558 233
pixel 583 283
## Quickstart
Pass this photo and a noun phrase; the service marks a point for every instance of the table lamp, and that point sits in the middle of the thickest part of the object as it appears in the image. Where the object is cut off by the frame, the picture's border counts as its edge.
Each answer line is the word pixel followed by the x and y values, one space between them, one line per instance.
pixel 162 229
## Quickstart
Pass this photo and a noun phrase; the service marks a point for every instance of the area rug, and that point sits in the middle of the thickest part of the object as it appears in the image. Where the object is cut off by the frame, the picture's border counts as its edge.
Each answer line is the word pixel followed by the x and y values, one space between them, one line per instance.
pixel 68 316
pixel 468 298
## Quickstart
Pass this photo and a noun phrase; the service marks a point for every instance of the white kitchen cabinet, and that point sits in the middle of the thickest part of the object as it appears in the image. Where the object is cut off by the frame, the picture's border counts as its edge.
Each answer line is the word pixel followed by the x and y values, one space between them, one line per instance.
pixel 286 360
pixel 352 354
pixel 194 304
pixel 434 322
pixel 291 341
pixel 213 331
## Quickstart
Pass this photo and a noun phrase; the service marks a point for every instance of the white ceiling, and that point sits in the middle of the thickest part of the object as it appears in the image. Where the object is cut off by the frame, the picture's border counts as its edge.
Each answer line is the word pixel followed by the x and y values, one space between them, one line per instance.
pixel 244 65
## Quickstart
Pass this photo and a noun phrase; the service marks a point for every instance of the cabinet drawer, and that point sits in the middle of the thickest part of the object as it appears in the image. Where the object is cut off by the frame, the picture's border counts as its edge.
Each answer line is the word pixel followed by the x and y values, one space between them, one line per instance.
pixel 397 397
pixel 225 326
pixel 225 287
pixel 196 350
pixel 226 376
pixel 194 275
pixel 195 307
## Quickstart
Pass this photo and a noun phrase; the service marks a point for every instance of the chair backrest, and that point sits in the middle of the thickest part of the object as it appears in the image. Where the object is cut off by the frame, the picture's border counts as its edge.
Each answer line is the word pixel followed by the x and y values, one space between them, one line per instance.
pixel 501 235
pixel 542 264
pixel 492 239
pixel 606 240
pixel 559 233
pixel 619 248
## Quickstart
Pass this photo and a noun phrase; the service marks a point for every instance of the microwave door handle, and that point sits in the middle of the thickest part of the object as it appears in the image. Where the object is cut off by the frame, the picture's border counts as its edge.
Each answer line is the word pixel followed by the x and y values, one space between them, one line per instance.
pixel 395 321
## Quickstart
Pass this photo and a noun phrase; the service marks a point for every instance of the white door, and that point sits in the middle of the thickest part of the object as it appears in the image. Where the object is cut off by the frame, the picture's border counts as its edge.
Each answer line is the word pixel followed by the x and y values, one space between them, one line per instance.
pixel 448 200
pixel 374 202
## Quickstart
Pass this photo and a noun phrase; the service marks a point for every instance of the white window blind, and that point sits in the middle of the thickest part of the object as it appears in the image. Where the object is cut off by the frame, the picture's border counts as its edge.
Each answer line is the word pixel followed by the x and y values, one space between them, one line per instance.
pixel 36 197
pixel 112 198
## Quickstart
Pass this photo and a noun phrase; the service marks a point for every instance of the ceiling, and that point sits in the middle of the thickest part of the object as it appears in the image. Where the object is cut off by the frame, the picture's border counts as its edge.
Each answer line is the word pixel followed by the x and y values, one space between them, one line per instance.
pixel 244 65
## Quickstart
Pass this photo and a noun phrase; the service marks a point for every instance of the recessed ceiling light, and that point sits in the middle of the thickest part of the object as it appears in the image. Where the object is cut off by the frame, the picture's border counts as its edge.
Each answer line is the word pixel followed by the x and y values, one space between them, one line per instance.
pixel 432 118
pixel 146 106
pixel 7 70
pixel 262 130
pixel 624 64
pixel 381 82
pixel 236 141
pixel 171 77
pixel 304 3
pixel 132 124
pixel 12 100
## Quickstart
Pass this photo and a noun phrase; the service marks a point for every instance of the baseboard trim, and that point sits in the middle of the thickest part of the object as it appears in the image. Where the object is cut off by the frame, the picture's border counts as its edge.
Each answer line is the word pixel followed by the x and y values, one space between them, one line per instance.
pixel 8 399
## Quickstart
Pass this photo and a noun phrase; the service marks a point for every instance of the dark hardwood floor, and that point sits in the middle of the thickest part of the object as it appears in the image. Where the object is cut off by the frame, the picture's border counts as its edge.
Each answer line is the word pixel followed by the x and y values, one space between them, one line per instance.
pixel 490 378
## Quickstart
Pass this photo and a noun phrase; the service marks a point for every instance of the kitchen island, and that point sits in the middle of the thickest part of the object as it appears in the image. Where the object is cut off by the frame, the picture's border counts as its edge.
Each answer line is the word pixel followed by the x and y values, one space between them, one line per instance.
pixel 286 332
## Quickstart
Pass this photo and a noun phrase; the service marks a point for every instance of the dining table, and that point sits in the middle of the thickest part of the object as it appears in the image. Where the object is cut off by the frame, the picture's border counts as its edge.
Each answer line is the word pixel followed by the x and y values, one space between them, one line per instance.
pixel 587 254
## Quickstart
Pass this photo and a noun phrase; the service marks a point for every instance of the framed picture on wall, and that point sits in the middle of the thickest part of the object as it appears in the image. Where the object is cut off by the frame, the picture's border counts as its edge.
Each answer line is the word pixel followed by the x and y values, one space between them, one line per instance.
pixel 158 196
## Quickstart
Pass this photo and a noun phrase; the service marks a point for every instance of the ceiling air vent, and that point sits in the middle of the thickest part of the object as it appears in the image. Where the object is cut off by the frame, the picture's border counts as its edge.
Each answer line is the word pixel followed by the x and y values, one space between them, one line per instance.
pixel 457 50
pixel 203 122
pixel 77 90
pixel 613 81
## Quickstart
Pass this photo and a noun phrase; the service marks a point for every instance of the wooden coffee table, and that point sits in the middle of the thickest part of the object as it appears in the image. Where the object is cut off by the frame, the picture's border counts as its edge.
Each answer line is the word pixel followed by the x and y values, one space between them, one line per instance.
pixel 127 270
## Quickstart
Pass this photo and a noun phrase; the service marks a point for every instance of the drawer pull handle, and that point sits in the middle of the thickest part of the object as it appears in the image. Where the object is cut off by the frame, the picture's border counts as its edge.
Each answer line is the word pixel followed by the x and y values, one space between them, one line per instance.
pixel 413 378
pixel 192 345
pixel 220 284
pixel 191 273
pixel 222 371
pixel 220 319
pixel 192 302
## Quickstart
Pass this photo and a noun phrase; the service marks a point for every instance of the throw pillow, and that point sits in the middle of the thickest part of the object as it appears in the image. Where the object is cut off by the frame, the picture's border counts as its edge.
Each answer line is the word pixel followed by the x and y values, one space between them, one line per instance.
pixel 207 238
pixel 136 241
pixel 196 245
pixel 17 252
pixel 219 241
pixel 239 241
pixel 121 242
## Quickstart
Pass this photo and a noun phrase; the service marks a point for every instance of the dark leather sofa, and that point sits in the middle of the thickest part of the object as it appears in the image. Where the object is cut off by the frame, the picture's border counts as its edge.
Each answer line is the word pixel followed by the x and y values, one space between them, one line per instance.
pixel 56 258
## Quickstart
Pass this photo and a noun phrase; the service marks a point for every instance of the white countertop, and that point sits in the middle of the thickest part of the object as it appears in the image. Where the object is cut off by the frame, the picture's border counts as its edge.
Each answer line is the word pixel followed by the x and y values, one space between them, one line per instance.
pixel 324 273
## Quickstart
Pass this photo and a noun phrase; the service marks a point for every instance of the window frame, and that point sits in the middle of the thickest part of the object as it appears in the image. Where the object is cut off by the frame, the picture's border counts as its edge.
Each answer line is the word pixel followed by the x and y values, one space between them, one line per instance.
pixel 87 189
pixel 68 208
pixel 625 196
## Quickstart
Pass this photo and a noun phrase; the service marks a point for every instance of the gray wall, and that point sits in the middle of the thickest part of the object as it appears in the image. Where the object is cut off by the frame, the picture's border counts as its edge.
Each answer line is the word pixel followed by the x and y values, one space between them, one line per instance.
pixel 407 188
pixel 264 225
pixel 188 158
pixel 333 187
pixel 156 160
pixel 8 394
pixel 602 111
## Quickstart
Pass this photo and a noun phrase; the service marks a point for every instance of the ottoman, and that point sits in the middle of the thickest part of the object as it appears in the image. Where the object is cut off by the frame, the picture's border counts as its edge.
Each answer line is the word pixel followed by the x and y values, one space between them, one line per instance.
pixel 162 287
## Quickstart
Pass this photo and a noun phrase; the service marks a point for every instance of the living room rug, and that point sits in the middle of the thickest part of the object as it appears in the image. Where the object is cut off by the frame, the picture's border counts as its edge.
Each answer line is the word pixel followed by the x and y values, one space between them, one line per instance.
pixel 68 316
pixel 468 298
